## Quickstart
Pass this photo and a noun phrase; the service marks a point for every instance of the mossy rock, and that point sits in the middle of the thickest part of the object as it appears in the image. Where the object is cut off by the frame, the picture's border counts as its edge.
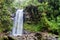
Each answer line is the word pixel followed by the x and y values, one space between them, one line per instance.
pixel 7 38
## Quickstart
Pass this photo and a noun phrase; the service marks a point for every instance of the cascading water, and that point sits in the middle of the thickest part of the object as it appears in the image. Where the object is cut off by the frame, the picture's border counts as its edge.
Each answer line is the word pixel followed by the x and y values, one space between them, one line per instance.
pixel 18 23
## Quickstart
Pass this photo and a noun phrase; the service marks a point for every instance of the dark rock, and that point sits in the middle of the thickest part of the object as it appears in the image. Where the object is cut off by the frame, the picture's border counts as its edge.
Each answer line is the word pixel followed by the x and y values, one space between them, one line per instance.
pixel 26 32
pixel 10 38
pixel 38 35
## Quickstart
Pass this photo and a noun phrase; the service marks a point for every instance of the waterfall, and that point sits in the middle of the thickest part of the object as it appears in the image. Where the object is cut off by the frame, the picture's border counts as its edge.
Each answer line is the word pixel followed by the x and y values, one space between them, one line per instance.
pixel 18 23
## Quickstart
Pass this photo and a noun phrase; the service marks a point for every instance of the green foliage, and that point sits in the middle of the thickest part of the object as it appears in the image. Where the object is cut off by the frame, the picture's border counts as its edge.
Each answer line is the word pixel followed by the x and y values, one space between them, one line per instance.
pixel 51 11
pixel 32 27
pixel 49 14
pixel 5 18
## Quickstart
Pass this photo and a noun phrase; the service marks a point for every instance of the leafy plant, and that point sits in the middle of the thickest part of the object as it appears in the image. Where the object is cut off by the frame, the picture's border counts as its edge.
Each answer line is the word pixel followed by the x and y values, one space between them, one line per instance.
pixel 5 15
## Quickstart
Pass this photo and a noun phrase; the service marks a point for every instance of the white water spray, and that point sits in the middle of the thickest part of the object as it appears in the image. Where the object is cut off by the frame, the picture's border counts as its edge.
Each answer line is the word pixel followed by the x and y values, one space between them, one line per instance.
pixel 18 23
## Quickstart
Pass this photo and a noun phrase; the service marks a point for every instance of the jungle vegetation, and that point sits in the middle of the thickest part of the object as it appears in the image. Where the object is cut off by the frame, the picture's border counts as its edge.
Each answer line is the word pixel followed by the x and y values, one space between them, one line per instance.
pixel 45 15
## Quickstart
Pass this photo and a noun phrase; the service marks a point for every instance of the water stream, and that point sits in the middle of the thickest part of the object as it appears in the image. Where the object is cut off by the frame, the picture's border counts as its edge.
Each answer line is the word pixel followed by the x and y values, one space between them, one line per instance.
pixel 18 23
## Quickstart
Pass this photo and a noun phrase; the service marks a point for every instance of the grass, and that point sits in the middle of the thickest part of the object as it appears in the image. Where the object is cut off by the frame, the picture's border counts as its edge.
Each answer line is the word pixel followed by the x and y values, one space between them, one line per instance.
pixel 32 27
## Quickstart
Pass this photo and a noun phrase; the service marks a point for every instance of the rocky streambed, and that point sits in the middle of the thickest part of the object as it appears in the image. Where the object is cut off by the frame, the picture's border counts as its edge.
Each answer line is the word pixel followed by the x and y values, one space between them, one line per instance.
pixel 36 36
pixel 31 36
